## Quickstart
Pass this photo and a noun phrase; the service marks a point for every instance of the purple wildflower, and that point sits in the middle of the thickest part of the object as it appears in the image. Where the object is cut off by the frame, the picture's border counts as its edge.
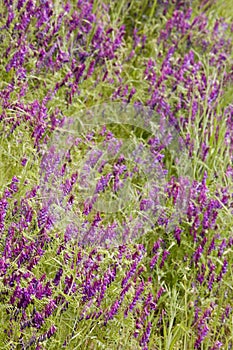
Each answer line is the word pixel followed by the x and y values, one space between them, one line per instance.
pixel 146 335
pixel 51 331
pixel 222 246
pixel 203 332
pixel 212 245
pixel 38 320
pixel 154 260
pixel 158 296
pixel 113 310
pixel 197 254
pixel 164 257
pixel 138 292
pixel 49 308
pixel 157 245
pixel 177 233
pixel 223 270
pixel 217 345
pixel 211 280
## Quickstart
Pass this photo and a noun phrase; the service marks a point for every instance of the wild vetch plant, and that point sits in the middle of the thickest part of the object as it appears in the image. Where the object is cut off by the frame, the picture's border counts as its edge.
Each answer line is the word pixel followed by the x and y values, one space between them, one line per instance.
pixel 116 196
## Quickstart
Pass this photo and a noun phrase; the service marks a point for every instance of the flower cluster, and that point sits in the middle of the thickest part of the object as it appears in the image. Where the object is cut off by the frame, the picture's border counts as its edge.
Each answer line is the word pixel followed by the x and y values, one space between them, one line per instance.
pixel 60 274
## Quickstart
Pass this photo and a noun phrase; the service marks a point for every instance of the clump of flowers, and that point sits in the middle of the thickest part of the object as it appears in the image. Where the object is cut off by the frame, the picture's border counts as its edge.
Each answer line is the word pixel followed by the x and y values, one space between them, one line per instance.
pixel 63 284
